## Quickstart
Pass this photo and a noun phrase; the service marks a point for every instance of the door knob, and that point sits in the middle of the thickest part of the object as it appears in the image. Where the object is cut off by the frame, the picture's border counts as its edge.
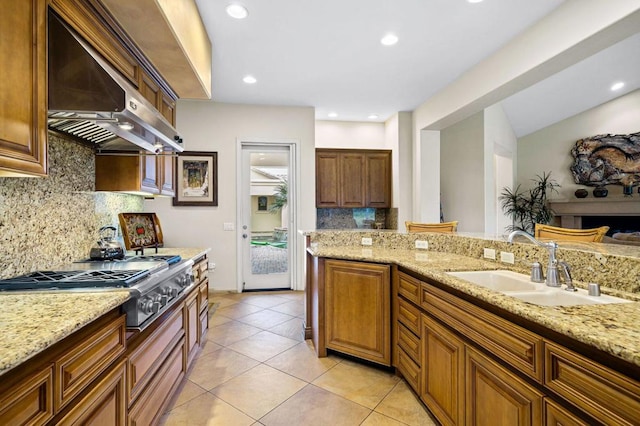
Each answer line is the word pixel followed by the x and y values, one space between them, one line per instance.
pixel 244 235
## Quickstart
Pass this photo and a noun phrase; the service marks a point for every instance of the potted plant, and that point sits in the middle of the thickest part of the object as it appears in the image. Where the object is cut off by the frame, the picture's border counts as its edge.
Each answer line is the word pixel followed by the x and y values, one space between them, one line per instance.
pixel 280 197
pixel 528 207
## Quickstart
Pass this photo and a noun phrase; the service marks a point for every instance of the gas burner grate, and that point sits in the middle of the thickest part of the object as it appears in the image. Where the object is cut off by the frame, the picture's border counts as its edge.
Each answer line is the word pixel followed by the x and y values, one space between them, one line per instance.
pixel 73 279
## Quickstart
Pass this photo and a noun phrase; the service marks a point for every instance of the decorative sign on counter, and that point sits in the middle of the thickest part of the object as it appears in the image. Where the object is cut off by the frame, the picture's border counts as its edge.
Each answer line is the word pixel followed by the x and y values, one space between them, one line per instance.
pixel 140 230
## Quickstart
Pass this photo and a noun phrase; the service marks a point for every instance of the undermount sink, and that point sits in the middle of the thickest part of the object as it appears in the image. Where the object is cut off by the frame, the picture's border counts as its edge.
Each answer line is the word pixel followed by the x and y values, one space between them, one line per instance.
pixel 519 286
pixel 497 280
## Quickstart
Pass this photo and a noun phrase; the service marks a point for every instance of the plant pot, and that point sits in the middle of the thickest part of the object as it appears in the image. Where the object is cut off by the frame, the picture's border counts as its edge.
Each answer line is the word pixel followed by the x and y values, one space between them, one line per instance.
pixel 600 192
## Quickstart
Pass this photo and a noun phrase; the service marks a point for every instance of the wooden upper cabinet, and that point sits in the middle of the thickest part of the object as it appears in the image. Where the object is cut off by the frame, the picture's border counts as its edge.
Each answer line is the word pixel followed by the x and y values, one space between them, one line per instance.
pixel 353 178
pixel 327 179
pixel 23 91
pixel 168 108
pixel 378 175
pixel 150 174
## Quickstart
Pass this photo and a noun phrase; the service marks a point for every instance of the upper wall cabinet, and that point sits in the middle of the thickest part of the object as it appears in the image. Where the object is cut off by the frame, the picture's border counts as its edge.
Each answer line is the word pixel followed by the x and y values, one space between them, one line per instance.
pixel 351 178
pixel 23 92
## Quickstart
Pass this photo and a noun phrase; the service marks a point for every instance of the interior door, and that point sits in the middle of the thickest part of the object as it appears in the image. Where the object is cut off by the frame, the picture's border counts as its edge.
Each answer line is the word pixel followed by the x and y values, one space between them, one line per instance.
pixel 265 226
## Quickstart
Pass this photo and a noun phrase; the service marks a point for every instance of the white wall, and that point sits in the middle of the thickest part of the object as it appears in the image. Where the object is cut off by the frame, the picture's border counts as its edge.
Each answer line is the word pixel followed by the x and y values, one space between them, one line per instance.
pixel 351 135
pixel 575 30
pixel 500 147
pixel 211 126
pixel 398 136
pixel 549 149
pixel 462 173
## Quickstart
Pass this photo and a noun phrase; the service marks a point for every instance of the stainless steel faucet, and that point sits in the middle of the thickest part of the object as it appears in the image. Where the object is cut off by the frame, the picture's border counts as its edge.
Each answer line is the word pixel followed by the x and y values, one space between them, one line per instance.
pixel 552 278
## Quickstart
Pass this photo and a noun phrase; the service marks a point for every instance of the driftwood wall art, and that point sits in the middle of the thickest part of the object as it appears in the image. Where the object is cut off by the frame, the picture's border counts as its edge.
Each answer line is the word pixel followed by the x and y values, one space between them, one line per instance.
pixel 607 159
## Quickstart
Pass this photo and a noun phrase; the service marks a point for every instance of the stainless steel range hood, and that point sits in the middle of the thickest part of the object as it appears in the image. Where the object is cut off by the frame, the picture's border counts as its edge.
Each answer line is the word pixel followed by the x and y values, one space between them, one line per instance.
pixel 90 100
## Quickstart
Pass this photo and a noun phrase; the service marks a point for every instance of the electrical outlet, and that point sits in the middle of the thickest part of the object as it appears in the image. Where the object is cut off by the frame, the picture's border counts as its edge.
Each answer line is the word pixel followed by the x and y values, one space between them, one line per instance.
pixel 422 244
pixel 490 253
pixel 507 257
pixel 367 241
pixel 422 257
pixel 212 266
pixel 228 226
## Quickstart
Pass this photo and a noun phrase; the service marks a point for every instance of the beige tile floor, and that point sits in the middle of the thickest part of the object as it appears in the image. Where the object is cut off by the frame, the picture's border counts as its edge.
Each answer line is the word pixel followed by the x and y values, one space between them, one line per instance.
pixel 257 369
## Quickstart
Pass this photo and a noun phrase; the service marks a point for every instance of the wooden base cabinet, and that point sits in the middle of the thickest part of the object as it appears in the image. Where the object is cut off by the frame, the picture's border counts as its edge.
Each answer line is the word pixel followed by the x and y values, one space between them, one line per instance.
pixel 358 309
pixel 443 372
pixel 497 397
pixel 105 404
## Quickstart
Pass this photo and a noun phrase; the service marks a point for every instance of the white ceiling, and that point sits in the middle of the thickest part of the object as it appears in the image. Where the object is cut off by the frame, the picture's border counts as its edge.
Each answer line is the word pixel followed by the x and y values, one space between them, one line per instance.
pixel 327 54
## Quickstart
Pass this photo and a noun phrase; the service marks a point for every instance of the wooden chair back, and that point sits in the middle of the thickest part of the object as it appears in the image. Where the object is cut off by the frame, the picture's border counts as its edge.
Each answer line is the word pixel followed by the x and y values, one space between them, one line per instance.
pixel 549 232
pixel 443 227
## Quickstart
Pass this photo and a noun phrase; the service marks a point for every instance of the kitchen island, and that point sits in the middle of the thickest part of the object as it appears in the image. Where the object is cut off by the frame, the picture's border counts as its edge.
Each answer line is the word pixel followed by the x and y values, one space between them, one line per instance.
pixel 63 355
pixel 463 333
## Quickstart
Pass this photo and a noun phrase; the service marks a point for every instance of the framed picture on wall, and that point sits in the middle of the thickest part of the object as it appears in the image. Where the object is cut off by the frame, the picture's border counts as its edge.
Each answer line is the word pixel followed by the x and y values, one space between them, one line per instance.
pixel 196 179
pixel 262 203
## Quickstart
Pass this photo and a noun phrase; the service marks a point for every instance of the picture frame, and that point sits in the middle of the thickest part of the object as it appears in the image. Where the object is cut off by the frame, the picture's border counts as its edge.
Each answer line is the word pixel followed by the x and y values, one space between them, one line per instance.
pixel 196 179
pixel 262 203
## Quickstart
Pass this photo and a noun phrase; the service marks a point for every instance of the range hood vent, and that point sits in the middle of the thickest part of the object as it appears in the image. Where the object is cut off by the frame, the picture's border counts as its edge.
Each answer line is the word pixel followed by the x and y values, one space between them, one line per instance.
pixel 92 101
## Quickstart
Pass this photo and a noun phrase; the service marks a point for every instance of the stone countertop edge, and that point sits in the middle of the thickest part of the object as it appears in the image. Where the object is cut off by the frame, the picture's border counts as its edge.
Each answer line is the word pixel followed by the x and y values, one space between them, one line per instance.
pixel 611 328
pixel 30 322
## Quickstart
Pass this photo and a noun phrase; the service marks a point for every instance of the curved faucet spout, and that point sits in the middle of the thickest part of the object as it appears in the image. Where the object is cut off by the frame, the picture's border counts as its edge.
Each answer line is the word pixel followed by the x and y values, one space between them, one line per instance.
pixel 552 269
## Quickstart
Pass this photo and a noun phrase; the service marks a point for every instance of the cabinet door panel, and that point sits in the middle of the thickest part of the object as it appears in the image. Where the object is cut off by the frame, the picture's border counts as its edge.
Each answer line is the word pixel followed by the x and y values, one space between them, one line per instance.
pixel 149 174
pixel 192 319
pixel 357 309
pixel 29 402
pixel 327 181
pixel 167 171
pixel 105 404
pixel 442 372
pixel 378 174
pixel 497 397
pixel 352 178
pixel 556 415
pixel 23 95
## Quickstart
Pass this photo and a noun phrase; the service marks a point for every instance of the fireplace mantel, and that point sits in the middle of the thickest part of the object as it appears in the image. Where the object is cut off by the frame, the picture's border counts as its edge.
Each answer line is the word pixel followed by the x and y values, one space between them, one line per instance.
pixel 571 211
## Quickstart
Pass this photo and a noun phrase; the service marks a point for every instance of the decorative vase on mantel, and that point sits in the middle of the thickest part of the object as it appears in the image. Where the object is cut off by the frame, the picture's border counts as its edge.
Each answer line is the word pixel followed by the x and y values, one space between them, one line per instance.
pixel 600 192
pixel 581 193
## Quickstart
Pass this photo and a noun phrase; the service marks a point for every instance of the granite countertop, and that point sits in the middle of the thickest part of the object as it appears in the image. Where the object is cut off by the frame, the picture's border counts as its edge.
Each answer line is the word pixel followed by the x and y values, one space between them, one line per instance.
pixel 612 328
pixel 30 322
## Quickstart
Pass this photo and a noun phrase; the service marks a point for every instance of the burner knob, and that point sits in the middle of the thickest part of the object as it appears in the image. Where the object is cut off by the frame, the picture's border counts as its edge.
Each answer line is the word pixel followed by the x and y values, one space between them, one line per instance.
pixel 161 299
pixel 172 292
pixel 148 306
pixel 185 280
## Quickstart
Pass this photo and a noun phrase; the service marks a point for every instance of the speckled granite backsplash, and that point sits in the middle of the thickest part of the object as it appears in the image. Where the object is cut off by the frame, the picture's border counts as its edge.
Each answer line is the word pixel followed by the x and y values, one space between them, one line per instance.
pixel 45 222
pixel 611 265
pixel 365 218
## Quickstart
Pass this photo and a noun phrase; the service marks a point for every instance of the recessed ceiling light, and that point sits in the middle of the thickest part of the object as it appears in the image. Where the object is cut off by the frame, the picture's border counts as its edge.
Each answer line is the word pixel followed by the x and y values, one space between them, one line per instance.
pixel 617 86
pixel 237 11
pixel 125 125
pixel 474 1
pixel 332 114
pixel 249 79
pixel 389 39
pixel 373 116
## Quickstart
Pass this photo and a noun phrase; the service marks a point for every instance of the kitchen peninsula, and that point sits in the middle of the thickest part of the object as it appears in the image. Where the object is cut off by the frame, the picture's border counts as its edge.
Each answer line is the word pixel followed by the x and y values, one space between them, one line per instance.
pixel 69 356
pixel 468 351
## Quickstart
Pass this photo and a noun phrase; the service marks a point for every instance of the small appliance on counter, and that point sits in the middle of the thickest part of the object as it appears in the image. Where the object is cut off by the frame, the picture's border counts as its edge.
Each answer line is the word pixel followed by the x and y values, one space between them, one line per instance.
pixel 108 247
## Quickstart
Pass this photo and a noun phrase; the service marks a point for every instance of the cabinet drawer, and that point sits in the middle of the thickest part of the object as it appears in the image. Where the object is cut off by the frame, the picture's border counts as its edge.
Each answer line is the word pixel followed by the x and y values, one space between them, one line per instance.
pixel 105 404
pixel 556 415
pixel 409 370
pixel 153 401
pixel 509 342
pixel 204 295
pixel 79 366
pixel 31 402
pixel 603 393
pixel 409 287
pixel 409 315
pixel 146 359
pixel 409 342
